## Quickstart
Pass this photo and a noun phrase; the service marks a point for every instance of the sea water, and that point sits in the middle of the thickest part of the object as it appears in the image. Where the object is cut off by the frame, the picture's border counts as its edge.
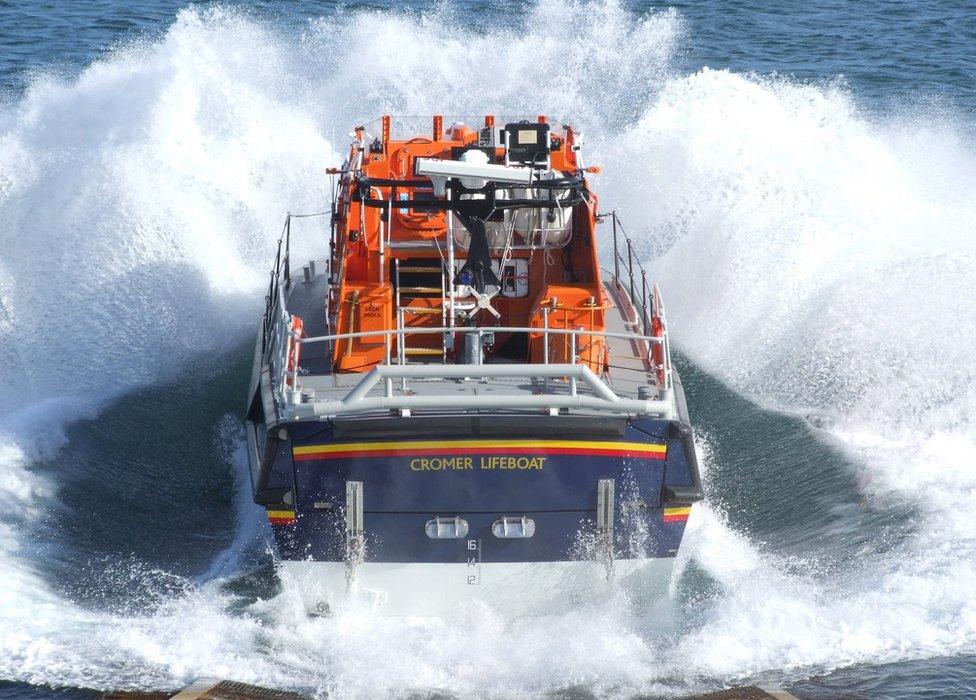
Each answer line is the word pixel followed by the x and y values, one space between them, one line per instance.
pixel 800 179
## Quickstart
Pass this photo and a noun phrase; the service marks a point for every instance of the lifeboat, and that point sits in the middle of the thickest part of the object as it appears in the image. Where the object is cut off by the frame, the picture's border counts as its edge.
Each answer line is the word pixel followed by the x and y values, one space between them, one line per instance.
pixel 454 401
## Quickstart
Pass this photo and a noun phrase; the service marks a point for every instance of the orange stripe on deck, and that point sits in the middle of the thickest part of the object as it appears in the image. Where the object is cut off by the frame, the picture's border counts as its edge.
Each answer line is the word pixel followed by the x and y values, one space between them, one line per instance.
pixel 442 447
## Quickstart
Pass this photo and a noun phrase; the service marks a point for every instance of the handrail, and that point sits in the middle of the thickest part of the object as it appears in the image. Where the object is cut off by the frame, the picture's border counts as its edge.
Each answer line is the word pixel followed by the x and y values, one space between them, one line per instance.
pixel 271 299
pixel 280 271
pixel 484 329
pixel 649 304
pixel 357 399
pixel 277 338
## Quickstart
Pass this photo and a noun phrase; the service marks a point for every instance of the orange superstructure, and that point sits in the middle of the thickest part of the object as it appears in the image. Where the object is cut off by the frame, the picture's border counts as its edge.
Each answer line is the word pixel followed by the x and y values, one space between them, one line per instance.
pixel 504 238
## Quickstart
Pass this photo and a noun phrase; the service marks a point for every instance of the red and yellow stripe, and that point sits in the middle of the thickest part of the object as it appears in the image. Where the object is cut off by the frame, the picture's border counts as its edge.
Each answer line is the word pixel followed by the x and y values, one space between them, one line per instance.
pixel 676 514
pixel 427 448
pixel 281 517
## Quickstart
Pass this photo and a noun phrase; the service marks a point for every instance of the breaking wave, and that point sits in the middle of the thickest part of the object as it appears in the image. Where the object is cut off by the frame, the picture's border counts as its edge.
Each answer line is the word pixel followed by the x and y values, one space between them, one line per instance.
pixel 821 263
pixel 815 259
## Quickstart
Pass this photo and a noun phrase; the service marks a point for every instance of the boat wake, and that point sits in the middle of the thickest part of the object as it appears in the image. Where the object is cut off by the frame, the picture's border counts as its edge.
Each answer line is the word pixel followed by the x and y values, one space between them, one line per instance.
pixel 817 260
pixel 820 263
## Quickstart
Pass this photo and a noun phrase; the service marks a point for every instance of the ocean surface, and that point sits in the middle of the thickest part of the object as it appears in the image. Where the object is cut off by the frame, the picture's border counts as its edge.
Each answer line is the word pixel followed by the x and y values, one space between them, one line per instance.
pixel 801 178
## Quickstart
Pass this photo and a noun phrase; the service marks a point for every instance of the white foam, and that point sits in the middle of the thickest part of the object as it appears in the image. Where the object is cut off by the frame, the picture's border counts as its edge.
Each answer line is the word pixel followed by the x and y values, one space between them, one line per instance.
pixel 816 260
pixel 820 262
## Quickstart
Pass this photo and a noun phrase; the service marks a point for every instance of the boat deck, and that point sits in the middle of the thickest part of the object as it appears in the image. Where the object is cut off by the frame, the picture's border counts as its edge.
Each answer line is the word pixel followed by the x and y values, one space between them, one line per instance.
pixel 629 374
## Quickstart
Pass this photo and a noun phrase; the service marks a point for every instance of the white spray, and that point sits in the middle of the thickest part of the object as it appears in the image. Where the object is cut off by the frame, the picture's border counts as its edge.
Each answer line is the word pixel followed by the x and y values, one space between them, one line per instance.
pixel 814 259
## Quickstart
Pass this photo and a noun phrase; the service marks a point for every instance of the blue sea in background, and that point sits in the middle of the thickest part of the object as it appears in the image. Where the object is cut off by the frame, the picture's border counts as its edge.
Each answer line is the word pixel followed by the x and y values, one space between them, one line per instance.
pixel 801 177
pixel 893 54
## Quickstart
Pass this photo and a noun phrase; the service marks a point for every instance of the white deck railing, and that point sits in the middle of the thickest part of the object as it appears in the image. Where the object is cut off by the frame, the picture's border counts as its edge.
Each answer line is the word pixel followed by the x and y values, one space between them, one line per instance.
pixel 602 398
pixel 560 387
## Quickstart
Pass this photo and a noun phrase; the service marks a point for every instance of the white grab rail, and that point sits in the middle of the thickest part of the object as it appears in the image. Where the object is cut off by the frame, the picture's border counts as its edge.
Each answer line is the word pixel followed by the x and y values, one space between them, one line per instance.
pixel 357 399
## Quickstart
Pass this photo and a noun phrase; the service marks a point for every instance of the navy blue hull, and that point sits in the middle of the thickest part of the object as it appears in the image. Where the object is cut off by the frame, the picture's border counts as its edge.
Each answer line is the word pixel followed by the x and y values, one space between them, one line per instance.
pixel 553 481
